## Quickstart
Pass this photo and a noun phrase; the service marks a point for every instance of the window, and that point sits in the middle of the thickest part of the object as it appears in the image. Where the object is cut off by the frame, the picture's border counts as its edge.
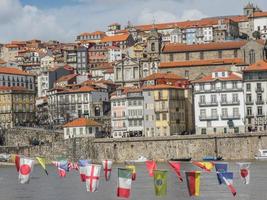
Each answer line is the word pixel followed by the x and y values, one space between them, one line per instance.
pixel 248 98
pixel 235 97
pixel 202 113
pixel 153 47
pixel 129 103
pixel 259 97
pixel 213 98
pixel 214 112
pixel 224 98
pixel 201 55
pixel 187 56
pixel 171 57
pixel 147 117
pixel 249 111
pixel 81 131
pixel 201 86
pixel 225 130
pixel 258 86
pixel 202 99
pixel 220 54
pixel 130 123
pixel 252 56
pixel 248 87
pixel 259 109
pixel 234 85
pixel 164 116
pixel 235 53
pixel 90 130
pixel 236 130
pixel 223 85
pixel 203 131
pixel 212 86
pixel 224 112
pixel 157 116
pixel 236 112
pixel 214 130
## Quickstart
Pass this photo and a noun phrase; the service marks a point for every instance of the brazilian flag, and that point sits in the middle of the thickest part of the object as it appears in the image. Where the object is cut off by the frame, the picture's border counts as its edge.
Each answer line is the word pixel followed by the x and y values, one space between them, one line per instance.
pixel 160 182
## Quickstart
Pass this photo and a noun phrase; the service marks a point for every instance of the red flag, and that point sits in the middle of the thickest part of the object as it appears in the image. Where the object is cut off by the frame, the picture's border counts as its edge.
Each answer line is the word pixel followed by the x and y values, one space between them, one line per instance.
pixel 151 165
pixel 17 162
pixel 176 167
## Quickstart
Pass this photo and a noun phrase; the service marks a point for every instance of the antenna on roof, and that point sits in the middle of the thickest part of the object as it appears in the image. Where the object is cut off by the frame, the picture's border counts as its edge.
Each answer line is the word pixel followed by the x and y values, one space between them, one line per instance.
pixel 154 21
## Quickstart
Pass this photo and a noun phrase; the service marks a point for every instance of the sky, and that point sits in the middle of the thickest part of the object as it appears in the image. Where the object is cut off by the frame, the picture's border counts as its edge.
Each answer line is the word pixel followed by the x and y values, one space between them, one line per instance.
pixel 63 20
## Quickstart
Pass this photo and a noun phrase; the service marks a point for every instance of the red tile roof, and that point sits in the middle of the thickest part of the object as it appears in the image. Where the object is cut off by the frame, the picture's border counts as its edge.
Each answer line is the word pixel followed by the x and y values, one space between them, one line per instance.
pixel 259 66
pixel 160 87
pixel 194 63
pixel 232 77
pixel 203 47
pixel 82 122
pixel 82 89
pixel 116 38
pixel 11 70
pixel 162 76
pixel 259 14
pixel 2 62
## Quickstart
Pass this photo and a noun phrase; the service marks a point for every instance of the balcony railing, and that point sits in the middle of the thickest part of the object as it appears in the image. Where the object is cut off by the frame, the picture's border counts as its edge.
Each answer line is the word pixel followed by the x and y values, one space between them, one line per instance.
pixel 226 103
pixel 259 90
pixel 161 109
pixel 249 102
pixel 208 118
pixel 212 103
pixel 259 102
pixel 227 117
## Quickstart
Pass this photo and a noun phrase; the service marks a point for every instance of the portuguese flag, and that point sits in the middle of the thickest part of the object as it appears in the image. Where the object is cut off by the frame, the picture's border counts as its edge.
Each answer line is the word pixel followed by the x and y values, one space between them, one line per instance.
pixel 160 182
pixel 124 182
pixel 193 182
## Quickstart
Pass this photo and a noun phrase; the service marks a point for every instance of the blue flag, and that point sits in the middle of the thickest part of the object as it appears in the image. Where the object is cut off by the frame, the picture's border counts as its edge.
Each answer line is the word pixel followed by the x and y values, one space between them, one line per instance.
pixel 220 168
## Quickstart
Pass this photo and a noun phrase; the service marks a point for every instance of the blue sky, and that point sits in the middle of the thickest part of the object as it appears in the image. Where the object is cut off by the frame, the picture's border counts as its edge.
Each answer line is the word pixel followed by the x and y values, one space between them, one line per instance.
pixel 64 19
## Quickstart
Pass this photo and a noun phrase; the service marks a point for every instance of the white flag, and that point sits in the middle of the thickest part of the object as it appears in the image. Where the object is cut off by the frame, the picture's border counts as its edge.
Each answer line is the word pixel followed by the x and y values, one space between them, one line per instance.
pixel 25 169
pixel 92 177
pixel 107 166
pixel 244 172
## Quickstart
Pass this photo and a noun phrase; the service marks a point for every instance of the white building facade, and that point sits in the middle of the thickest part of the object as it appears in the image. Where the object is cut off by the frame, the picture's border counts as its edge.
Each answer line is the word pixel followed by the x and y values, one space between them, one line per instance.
pixel 219 103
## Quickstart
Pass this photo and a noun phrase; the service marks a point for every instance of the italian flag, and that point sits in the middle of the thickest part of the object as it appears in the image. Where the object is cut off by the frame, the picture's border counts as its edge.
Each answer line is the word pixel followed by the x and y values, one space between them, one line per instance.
pixel 124 182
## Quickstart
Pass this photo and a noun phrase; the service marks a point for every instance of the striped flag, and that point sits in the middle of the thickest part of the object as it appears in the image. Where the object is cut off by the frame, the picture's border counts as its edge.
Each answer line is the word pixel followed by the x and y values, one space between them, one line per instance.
pixel 92 177
pixel 176 167
pixel 133 168
pixel 107 166
pixel 62 166
pixel 220 167
pixel 151 165
pixel 244 172
pixel 25 169
pixel 227 178
pixel 193 182
pixel 207 166
pixel 124 182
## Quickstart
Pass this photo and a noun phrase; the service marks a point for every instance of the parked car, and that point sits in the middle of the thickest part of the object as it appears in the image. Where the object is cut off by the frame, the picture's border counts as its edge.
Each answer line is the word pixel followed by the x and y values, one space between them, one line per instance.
pixel 4 157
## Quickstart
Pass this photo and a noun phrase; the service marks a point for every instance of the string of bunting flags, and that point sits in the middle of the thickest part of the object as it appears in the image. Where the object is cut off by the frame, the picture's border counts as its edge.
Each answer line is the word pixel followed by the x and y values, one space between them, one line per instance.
pixel 90 174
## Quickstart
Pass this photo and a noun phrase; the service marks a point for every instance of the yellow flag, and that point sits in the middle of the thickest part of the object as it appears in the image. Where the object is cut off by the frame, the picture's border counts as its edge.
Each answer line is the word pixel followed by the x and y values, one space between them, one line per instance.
pixel 42 163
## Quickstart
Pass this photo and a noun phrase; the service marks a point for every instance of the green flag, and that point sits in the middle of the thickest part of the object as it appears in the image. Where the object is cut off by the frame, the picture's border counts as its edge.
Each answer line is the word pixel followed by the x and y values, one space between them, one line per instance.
pixel 160 182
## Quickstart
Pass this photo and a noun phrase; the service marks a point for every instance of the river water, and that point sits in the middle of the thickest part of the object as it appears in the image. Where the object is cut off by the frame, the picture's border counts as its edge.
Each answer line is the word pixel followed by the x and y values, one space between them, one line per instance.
pixel 42 187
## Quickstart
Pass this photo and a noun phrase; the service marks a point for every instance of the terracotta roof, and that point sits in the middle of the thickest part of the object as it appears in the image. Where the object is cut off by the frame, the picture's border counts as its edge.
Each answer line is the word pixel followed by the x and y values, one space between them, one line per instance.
pixel 220 69
pixel 259 66
pixel 232 77
pixel 192 63
pixel 239 18
pixel 92 33
pixel 13 88
pixel 176 47
pixel 67 77
pixel 160 87
pixel 2 61
pixel 259 14
pixel 11 70
pixel 109 71
pixel 162 76
pixel 81 89
pixel 116 38
pixel 82 122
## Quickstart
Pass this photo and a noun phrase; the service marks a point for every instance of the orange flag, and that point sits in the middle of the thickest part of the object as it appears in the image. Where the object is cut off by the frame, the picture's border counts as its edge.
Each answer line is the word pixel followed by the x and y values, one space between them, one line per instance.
pixel 207 166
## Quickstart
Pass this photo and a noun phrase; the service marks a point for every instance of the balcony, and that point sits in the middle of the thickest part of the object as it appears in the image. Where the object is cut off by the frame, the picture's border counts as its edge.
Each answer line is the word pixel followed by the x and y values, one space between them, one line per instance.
pixel 209 118
pixel 135 117
pixel 260 115
pixel 228 117
pixel 259 90
pixel 259 102
pixel 249 115
pixel 161 109
pixel 249 102
pixel 207 104
pixel 230 103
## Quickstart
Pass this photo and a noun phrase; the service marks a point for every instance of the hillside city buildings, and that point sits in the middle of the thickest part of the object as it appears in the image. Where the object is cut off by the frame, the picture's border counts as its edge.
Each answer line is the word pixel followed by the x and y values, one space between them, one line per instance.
pixel 206 76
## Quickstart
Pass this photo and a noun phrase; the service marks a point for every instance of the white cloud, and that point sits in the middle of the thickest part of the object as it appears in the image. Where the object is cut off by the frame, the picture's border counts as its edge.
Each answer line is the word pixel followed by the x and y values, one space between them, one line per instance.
pixel 19 21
